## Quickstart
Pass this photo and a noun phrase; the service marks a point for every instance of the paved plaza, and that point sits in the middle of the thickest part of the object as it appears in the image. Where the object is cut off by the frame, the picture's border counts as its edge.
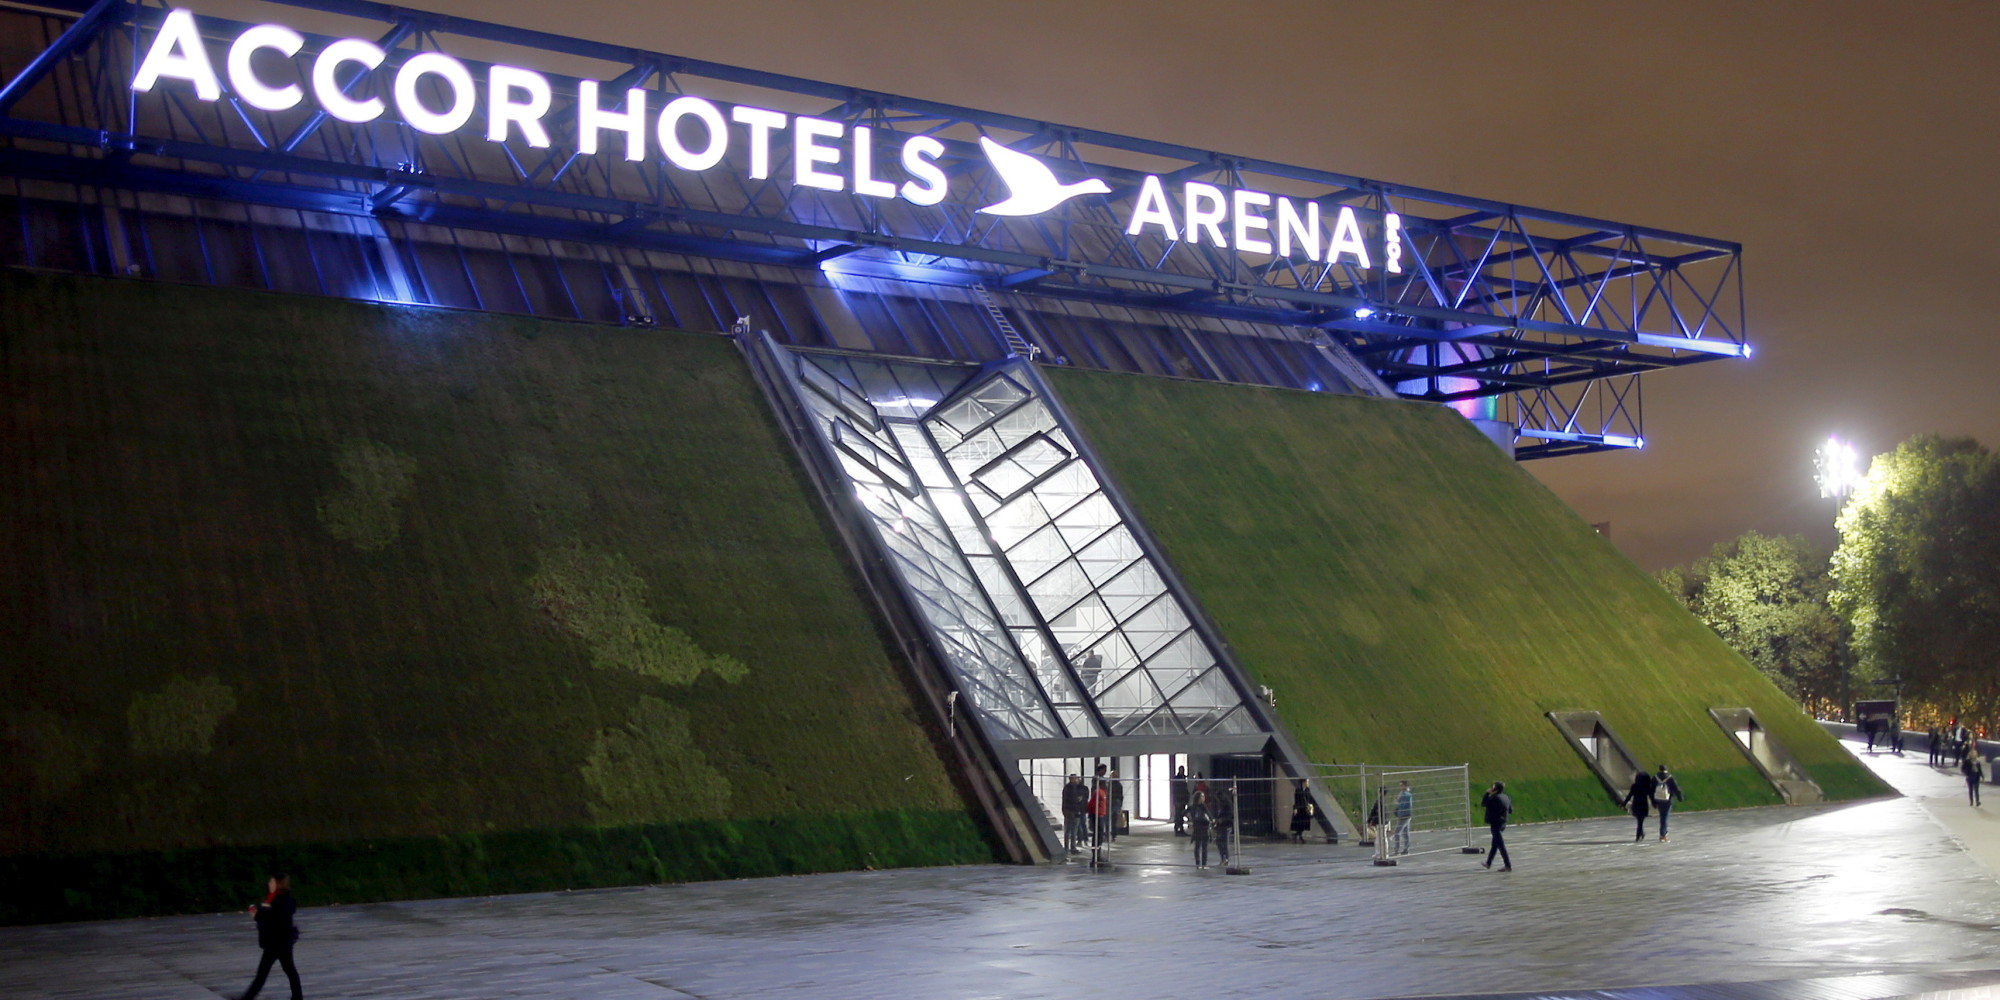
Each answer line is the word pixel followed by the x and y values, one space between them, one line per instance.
pixel 1894 886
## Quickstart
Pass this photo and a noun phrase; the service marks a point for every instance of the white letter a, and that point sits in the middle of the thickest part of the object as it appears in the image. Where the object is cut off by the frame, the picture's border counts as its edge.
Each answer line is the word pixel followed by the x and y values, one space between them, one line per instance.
pixel 178 54
pixel 1151 206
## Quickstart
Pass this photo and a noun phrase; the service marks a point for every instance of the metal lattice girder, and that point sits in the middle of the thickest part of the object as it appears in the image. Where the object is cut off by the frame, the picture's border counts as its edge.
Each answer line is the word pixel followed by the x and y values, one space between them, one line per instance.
pixel 1548 299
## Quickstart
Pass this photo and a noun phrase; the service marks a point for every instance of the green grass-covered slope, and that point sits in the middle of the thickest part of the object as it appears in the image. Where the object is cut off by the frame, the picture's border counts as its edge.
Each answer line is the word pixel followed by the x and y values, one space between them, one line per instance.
pixel 1413 596
pixel 419 602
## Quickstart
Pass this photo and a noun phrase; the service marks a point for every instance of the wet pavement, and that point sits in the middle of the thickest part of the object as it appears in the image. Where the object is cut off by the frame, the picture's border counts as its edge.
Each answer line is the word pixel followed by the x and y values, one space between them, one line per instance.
pixel 1799 895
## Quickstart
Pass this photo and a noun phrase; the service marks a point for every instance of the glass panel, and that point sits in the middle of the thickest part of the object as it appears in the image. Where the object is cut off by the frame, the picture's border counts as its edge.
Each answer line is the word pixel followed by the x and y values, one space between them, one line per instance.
pixel 1018 519
pixel 1112 553
pixel 1036 554
pixel 1209 690
pixel 1004 478
pixel 1133 589
pixel 1059 588
pixel 1063 490
pixel 1115 660
pixel 965 529
pixel 1025 422
pixel 1123 697
pixel 1086 520
pixel 976 450
pixel 1185 655
pixel 1155 625
pixel 822 375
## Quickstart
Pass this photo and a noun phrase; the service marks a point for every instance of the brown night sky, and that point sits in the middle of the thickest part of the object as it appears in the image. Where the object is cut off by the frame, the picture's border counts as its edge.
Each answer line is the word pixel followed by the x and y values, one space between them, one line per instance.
pixel 1849 146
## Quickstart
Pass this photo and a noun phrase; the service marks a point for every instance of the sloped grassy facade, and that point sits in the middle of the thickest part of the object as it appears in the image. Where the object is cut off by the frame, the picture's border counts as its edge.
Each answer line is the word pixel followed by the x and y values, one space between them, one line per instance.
pixel 417 602
pixel 1415 597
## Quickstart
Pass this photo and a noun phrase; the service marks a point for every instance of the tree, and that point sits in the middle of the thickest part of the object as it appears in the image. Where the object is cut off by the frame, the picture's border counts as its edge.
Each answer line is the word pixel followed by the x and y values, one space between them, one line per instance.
pixel 1767 597
pixel 1917 573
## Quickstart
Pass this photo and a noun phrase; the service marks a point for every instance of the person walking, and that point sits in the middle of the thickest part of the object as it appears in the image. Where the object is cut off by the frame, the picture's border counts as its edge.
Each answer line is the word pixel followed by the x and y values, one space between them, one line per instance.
pixel 1406 807
pixel 1639 799
pixel 1075 805
pixel 1498 807
pixel 1198 820
pixel 1224 816
pixel 1178 790
pixel 1100 810
pixel 1973 766
pixel 1302 811
pixel 1937 755
pixel 1666 791
pixel 1117 802
pixel 276 934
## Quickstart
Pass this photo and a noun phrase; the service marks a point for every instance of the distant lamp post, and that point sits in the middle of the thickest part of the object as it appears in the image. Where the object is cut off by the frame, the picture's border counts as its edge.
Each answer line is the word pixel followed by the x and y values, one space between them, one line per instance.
pixel 1837 468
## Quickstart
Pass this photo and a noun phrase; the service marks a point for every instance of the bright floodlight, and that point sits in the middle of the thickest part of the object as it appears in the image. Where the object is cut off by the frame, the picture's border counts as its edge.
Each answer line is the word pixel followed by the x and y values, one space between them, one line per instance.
pixel 1837 468
pixel 1364 312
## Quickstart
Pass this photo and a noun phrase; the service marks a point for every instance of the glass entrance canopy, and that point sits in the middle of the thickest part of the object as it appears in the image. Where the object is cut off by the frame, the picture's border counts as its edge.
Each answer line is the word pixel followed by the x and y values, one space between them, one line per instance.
pixel 1048 608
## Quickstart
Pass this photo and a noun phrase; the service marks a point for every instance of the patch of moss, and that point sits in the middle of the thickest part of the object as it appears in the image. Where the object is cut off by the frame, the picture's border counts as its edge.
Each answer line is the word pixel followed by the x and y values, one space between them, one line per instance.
pixel 599 598
pixel 649 769
pixel 364 511
pixel 179 718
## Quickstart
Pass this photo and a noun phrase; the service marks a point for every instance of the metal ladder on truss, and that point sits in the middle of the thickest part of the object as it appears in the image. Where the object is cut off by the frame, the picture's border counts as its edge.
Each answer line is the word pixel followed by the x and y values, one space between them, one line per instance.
pixel 1017 345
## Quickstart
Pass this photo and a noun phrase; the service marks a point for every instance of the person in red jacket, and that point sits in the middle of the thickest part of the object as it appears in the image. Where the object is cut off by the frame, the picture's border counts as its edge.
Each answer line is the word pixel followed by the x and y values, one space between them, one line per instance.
pixel 276 934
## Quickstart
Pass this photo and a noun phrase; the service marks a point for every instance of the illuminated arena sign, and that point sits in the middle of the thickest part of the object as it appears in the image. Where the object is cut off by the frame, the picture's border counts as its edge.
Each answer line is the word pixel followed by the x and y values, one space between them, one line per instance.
pixel 696 134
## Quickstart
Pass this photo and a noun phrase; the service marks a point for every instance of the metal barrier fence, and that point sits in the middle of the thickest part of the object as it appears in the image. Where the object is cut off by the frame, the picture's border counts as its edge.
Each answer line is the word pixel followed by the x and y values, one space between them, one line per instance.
pixel 1260 821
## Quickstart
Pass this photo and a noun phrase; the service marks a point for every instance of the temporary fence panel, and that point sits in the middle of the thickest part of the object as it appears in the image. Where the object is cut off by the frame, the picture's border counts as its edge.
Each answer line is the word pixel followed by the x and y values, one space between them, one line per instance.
pixel 1439 816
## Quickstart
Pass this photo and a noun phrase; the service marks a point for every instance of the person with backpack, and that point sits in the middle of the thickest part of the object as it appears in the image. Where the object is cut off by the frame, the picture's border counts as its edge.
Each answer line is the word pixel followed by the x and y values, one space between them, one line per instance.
pixel 1666 791
pixel 1498 807
pixel 1639 799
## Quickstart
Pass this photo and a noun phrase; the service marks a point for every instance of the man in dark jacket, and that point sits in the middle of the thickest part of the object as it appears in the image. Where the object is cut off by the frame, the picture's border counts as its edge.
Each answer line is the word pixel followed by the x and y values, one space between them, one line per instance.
pixel 276 935
pixel 1666 792
pixel 1639 799
pixel 1075 804
pixel 1178 799
pixel 1498 807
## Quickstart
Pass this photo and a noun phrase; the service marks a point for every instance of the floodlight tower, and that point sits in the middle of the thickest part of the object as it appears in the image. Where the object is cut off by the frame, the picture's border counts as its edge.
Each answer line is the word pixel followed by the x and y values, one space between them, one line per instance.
pixel 1836 469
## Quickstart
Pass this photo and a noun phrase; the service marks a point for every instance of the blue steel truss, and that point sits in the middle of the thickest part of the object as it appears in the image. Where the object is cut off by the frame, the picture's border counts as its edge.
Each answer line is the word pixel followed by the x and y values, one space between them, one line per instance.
pixel 1552 315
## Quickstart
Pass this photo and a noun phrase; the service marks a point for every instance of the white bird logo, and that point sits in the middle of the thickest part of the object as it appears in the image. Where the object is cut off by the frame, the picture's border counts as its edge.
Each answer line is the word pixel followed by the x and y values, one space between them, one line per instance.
pixel 1033 187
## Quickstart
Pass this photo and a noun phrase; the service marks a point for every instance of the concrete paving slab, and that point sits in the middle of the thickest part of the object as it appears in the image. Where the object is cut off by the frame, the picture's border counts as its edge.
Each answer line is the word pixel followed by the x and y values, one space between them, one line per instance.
pixel 1743 897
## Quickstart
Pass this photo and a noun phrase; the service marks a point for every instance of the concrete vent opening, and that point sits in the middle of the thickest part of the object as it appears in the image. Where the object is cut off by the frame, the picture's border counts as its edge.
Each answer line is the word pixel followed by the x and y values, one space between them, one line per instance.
pixel 1600 748
pixel 1767 755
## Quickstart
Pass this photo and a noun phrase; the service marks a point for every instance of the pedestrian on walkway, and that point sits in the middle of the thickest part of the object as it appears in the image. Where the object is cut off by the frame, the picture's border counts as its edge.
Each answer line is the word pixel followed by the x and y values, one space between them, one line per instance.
pixel 1666 792
pixel 1937 752
pixel 1117 802
pixel 1224 815
pixel 1075 805
pixel 1179 800
pixel 1406 807
pixel 1973 766
pixel 1639 799
pixel 1100 810
pixel 1198 820
pixel 276 934
pixel 1498 807
pixel 1302 811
